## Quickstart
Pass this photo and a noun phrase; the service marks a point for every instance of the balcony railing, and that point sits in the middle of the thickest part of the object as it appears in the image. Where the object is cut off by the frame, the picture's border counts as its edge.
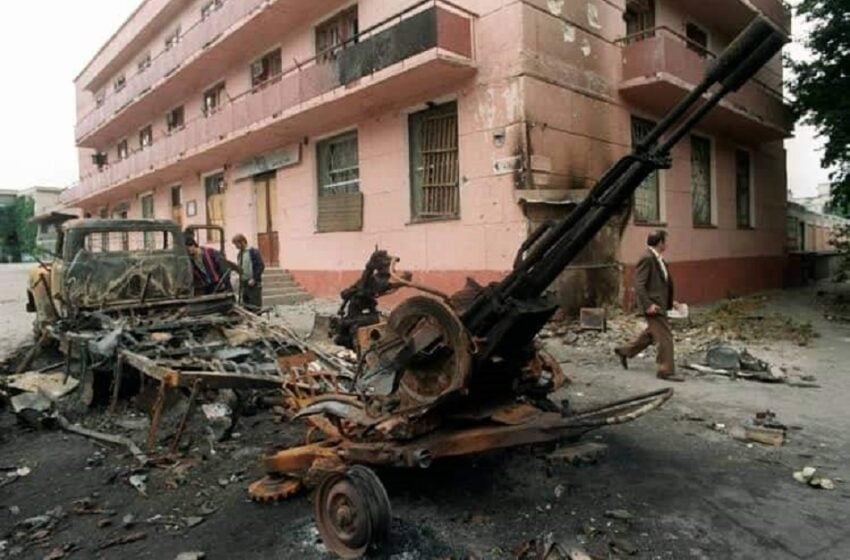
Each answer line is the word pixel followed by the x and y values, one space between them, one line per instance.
pixel 661 50
pixel 193 40
pixel 431 24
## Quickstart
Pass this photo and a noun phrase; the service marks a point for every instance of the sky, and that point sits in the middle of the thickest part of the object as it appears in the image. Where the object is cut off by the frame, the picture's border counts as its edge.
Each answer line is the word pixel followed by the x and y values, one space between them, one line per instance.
pixel 46 43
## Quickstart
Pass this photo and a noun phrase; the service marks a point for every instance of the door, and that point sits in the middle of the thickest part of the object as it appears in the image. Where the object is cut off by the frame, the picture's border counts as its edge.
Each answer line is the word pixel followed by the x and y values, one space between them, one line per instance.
pixel 265 191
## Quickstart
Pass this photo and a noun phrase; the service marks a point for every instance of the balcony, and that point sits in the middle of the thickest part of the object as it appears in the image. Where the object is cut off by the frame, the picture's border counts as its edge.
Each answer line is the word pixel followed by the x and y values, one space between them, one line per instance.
pixel 660 67
pixel 418 54
pixel 731 16
pixel 230 34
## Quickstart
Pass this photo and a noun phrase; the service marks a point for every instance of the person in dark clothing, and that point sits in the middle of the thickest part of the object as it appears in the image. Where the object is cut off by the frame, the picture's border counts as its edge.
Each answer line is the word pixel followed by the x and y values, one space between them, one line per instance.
pixel 654 295
pixel 209 268
pixel 250 267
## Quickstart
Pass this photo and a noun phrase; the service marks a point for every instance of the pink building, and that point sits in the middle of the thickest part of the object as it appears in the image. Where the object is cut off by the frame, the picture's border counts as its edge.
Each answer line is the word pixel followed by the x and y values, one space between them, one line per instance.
pixel 439 130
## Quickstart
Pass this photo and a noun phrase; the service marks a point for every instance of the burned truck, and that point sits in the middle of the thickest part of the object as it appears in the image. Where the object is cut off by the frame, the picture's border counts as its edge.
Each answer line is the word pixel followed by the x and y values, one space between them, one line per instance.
pixel 448 375
pixel 118 300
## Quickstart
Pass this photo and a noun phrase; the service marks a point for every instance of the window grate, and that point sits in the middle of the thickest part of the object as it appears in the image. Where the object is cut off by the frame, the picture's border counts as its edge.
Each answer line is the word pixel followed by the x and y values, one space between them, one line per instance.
pixel 434 162
pixel 647 197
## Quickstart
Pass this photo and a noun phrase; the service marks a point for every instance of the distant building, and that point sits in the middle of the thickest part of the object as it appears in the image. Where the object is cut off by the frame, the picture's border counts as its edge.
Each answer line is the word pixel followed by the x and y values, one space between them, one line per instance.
pixel 442 131
pixel 44 199
pixel 818 203
pixel 809 231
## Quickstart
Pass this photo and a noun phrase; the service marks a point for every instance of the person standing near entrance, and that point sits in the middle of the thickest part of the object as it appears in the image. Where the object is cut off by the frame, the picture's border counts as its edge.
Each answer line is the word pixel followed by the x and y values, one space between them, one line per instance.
pixel 251 267
pixel 654 294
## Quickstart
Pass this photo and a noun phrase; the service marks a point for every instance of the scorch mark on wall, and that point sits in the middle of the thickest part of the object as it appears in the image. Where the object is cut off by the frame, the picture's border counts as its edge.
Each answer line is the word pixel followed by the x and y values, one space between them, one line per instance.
pixel 593 16
pixel 569 33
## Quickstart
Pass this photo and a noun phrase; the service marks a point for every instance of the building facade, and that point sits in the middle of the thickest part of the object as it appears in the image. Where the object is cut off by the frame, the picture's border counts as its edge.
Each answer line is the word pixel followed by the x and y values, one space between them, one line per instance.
pixel 442 131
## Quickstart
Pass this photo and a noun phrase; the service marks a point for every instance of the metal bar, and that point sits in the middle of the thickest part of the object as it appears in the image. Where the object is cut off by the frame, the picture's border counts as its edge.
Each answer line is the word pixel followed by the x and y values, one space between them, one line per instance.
pixel 156 416
pixel 190 408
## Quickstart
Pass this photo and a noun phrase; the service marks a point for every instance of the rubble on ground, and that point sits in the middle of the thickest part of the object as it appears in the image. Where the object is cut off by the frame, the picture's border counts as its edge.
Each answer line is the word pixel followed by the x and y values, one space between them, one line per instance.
pixel 810 476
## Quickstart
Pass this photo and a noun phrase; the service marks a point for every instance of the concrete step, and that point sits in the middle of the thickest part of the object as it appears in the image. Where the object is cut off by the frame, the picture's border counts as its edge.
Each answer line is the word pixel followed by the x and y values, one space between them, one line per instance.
pixel 268 301
pixel 280 288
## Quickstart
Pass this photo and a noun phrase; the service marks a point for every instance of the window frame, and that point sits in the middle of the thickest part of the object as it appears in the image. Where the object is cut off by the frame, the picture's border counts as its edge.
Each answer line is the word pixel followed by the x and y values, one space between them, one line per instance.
pixel 326 144
pixel 327 51
pixel 214 92
pixel 750 222
pixel 170 126
pixel 212 235
pixel 210 7
pixel 119 83
pixel 693 43
pixel 172 39
pixel 144 63
pixel 122 149
pixel 142 136
pixel 267 75
pixel 415 120
pixel 659 180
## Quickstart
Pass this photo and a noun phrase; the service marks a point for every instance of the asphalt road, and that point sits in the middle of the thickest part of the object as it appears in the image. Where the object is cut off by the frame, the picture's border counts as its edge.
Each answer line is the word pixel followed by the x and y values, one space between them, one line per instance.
pixel 15 322
pixel 691 491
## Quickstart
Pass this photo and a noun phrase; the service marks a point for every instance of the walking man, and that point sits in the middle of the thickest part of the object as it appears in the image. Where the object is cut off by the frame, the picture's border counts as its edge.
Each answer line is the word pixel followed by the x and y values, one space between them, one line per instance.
pixel 654 294
pixel 251 268
pixel 210 271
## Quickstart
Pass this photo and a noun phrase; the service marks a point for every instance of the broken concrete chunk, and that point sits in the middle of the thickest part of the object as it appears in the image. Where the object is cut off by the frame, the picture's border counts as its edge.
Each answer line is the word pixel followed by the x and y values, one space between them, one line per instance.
pixel 723 356
pixel 52 385
pixel 808 475
pixel 139 482
pixel 30 401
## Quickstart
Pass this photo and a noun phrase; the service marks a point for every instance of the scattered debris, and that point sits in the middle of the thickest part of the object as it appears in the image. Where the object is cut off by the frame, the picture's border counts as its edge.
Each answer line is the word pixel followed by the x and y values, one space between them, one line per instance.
pixel 193 555
pixel 139 482
pixel 723 359
pixel 51 385
pixel 808 475
pixel 544 547
pixel 109 438
pixel 580 453
pixel 620 514
pixel 593 318
pixel 123 539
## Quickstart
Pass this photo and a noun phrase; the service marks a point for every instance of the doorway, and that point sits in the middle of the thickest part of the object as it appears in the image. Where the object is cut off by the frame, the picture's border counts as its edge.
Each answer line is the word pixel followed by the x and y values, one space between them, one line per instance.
pixel 265 193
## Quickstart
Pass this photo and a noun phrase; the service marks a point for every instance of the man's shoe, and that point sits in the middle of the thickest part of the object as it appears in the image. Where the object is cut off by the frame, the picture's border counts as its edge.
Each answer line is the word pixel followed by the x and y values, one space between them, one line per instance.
pixel 624 361
pixel 672 377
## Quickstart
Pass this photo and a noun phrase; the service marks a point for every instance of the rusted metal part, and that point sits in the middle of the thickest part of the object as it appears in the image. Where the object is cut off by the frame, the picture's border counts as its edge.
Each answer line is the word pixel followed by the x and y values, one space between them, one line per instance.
pixel 184 421
pixel 274 488
pixel 156 414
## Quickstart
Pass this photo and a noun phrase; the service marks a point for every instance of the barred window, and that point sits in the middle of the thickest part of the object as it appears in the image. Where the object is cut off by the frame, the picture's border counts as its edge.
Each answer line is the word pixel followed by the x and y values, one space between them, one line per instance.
pixel 640 19
pixel 265 68
pixel 701 180
pixel 434 163
pixel 128 241
pixel 743 188
pixel 339 166
pixel 647 197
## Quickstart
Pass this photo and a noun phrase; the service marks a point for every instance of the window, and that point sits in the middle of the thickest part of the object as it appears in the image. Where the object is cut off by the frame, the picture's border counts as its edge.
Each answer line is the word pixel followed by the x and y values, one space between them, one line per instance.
pixel 265 68
pixel 100 159
pixel 174 119
pixel 128 241
pixel 144 63
pixel 172 39
pixel 123 150
pixel 214 190
pixel 340 204
pixel 208 8
pixel 335 32
pixel 701 180
pixel 743 188
pixel 339 169
pixel 434 163
pixel 640 19
pixel 697 39
pixel 119 83
pixel 177 204
pixel 145 137
pixel 213 98
pixel 647 198
pixel 100 98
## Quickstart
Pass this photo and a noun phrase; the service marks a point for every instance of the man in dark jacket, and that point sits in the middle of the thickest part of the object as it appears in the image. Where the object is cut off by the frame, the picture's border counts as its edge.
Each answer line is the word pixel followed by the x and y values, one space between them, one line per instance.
pixel 654 295
pixel 209 269
pixel 251 268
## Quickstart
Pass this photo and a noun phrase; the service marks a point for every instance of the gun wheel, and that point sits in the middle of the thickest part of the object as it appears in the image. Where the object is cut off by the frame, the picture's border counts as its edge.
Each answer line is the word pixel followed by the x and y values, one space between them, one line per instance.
pixel 352 512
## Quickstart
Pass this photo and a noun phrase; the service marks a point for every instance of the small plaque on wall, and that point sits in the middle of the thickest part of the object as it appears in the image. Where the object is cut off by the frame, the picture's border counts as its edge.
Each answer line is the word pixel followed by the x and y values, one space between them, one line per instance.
pixel 191 208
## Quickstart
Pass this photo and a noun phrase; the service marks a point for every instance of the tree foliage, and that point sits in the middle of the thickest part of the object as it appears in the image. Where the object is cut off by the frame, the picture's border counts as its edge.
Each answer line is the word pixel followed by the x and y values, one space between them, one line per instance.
pixel 17 235
pixel 821 89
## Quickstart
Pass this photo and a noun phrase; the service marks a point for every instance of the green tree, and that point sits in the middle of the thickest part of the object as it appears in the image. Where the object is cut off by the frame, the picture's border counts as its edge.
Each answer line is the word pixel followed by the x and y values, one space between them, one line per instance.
pixel 17 235
pixel 821 89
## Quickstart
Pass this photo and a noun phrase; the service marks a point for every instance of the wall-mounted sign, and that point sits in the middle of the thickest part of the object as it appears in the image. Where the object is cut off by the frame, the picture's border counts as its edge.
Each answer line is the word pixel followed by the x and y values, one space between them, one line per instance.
pixel 191 208
pixel 269 161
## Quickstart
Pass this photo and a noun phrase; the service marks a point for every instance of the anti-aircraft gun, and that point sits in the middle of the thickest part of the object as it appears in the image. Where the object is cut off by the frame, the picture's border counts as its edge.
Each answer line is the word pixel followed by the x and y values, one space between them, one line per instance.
pixel 454 375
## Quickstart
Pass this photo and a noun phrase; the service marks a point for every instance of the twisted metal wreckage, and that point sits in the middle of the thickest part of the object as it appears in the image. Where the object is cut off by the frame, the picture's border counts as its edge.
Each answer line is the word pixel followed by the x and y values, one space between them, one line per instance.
pixel 440 376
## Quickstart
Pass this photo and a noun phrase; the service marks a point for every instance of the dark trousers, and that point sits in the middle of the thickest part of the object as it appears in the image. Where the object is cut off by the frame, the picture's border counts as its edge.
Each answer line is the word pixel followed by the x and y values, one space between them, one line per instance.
pixel 251 296
pixel 657 332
